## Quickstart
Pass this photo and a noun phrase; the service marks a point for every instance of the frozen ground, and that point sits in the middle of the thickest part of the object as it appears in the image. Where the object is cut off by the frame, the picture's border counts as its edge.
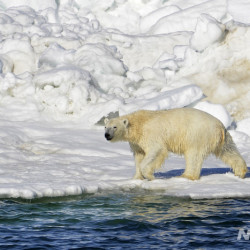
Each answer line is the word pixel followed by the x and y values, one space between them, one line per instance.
pixel 46 159
pixel 64 65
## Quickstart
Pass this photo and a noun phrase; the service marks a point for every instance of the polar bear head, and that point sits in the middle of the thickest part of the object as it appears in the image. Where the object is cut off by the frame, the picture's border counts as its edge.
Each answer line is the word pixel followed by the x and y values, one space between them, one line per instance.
pixel 115 129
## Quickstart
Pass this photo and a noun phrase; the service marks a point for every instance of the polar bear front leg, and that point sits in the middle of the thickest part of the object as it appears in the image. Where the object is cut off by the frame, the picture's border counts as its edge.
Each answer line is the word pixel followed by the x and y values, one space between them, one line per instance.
pixel 138 155
pixel 138 159
pixel 152 161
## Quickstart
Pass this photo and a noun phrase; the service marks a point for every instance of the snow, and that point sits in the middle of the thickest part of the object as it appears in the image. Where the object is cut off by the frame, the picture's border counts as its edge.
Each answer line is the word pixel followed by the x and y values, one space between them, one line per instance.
pixel 186 18
pixel 49 160
pixel 239 11
pixel 65 65
pixel 207 32
pixel 243 126
pixel 216 110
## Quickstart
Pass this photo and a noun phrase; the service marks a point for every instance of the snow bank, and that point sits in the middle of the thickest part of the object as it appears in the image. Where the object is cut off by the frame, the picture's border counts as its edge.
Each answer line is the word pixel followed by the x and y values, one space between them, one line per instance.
pixel 215 110
pixel 45 4
pixel 222 72
pixel 68 64
pixel 186 19
pixel 79 66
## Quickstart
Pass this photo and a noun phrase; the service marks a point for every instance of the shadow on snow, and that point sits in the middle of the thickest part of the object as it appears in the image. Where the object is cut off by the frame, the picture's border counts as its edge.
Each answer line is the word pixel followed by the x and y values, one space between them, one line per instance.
pixel 204 172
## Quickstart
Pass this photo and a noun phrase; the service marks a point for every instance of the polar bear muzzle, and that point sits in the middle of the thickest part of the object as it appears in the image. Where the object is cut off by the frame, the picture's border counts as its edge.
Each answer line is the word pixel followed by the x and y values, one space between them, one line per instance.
pixel 108 137
pixel 109 134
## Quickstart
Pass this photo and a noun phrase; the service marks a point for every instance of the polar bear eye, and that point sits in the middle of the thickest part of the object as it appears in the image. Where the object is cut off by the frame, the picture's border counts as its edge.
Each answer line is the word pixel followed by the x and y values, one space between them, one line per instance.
pixel 114 127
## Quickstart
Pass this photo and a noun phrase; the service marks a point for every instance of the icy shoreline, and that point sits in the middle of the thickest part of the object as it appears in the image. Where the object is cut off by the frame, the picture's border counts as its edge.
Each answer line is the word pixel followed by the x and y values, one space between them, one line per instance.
pixel 58 161
pixel 64 65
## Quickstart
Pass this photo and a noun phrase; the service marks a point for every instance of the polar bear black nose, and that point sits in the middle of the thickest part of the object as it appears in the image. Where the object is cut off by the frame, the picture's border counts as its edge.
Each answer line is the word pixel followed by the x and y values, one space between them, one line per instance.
pixel 107 136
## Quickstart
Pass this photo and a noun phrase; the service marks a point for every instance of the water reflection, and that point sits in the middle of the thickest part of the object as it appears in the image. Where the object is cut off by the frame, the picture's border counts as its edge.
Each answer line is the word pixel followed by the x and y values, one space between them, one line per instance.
pixel 157 208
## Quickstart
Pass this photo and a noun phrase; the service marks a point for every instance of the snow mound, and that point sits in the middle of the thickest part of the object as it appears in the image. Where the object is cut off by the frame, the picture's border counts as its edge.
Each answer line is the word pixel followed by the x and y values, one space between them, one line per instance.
pixel 207 32
pixel 78 61
pixel 217 111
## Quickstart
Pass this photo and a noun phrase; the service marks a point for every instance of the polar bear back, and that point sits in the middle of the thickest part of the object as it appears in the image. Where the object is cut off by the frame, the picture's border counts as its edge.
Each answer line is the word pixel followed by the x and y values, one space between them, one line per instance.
pixel 176 129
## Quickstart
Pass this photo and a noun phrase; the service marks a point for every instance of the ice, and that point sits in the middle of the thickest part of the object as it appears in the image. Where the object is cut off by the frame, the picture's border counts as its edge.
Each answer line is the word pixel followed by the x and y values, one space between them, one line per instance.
pixel 207 32
pixel 222 72
pixel 216 110
pixel 65 89
pixel 21 60
pixel 39 161
pixel 244 126
pixel 31 3
pixel 165 100
pixel 239 10
pixel 186 19
pixel 152 18
pixel 65 65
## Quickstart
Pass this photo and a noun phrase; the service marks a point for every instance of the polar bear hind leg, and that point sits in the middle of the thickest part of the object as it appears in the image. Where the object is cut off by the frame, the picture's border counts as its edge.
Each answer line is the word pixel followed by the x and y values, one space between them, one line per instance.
pixel 230 155
pixel 194 160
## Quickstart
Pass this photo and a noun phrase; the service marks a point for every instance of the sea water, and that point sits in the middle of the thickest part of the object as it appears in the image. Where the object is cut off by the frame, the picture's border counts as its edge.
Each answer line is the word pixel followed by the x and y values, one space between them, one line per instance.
pixel 124 221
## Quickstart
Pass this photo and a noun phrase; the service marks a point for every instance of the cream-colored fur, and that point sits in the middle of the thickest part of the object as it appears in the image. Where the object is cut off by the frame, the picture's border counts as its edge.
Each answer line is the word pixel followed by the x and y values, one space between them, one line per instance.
pixel 191 132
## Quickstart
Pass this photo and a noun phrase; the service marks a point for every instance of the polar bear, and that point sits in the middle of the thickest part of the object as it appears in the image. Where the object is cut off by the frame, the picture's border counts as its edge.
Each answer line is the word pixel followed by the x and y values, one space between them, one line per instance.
pixel 186 131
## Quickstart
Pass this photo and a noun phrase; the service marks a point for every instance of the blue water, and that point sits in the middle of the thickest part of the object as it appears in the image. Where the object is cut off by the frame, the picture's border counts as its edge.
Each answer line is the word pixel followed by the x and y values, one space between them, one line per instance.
pixel 124 221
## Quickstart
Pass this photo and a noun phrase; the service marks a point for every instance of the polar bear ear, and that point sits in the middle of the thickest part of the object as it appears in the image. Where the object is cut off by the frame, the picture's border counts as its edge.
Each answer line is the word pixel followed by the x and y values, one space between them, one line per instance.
pixel 106 120
pixel 125 122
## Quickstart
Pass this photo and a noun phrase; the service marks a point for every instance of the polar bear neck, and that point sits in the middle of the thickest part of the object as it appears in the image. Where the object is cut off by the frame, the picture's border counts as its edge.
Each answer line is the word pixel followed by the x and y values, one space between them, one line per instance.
pixel 133 134
pixel 134 131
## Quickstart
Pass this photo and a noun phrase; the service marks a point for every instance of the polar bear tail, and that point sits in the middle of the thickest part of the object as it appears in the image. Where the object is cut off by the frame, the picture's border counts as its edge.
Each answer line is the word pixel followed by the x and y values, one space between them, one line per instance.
pixel 230 155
